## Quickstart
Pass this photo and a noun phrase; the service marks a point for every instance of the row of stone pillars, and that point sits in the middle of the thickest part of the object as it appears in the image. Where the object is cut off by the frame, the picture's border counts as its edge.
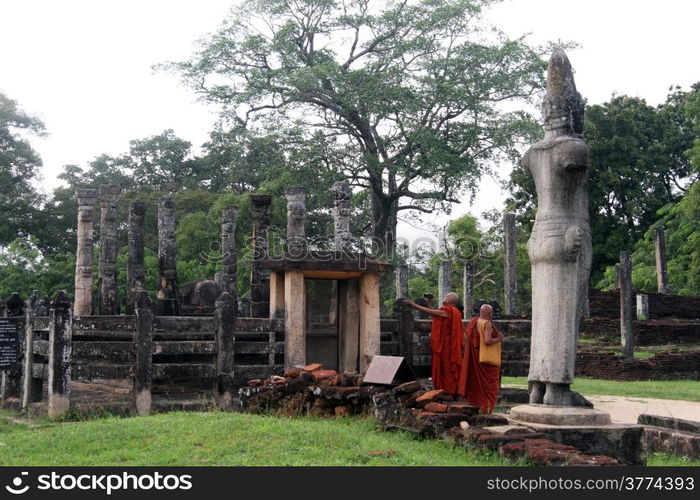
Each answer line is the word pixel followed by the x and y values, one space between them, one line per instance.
pixel 168 293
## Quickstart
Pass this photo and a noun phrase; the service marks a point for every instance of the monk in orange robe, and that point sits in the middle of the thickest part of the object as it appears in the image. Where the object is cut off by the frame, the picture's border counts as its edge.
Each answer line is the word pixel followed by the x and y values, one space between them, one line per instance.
pixel 479 382
pixel 446 341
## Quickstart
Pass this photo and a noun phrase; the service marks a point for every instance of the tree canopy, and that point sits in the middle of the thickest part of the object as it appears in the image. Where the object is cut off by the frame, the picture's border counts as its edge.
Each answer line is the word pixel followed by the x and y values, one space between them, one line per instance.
pixel 405 97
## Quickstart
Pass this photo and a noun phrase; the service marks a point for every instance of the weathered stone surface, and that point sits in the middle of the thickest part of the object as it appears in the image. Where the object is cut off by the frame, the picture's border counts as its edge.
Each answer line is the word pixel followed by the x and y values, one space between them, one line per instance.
pixel 468 289
pixel 296 218
pixel 660 252
pixel 59 355
pixel 83 259
pixel 553 415
pixel 135 268
pixel 671 441
pixel 341 215
pixel 205 293
pixel 626 339
pixel 560 244
pixel 678 424
pixel 143 359
pixel 444 274
pixel 168 294
pixel 260 277
pixel 408 387
pixel 226 277
pixel 109 297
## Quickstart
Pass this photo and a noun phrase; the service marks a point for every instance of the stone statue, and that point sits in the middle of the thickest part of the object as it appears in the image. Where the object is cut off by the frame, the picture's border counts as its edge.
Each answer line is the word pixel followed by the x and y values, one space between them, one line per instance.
pixel 560 244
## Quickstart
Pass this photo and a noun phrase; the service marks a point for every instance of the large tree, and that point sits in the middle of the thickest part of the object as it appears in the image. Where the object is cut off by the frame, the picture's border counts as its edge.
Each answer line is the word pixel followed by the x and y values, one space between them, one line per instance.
pixel 20 166
pixel 407 94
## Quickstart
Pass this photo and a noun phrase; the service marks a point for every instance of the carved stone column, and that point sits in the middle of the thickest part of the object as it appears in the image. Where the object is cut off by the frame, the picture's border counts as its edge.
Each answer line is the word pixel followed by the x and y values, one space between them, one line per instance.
pixel 109 296
pixel 226 278
pixel 83 259
pixel 168 292
pixel 135 268
pixel 260 278
pixel 296 216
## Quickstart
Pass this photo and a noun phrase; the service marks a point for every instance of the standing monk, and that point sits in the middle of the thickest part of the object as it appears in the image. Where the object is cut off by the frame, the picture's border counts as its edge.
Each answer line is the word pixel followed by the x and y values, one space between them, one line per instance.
pixel 445 342
pixel 479 381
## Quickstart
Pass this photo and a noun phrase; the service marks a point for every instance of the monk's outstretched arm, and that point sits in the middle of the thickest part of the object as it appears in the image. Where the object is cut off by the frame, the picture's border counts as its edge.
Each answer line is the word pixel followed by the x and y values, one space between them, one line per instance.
pixel 491 336
pixel 433 312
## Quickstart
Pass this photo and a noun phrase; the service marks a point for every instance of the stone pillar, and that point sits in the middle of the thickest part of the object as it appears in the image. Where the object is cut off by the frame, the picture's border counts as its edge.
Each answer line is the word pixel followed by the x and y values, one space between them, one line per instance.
pixel 468 285
pixel 226 278
pixel 296 215
pixel 617 275
pixel 260 278
pixel 168 291
pixel 642 306
pixel 509 263
pixel 402 282
pixel 341 215
pixel 276 295
pixel 83 259
pixel 226 306
pixel 349 324
pixel 369 319
pixel 443 281
pixel 108 295
pixel 59 357
pixel 143 365
pixel 404 314
pixel 294 319
pixel 661 274
pixel 11 381
pixel 32 387
pixel 626 305
pixel 135 268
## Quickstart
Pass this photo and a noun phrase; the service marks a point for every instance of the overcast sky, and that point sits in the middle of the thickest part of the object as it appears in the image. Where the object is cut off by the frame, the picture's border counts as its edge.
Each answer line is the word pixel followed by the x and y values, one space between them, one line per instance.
pixel 84 66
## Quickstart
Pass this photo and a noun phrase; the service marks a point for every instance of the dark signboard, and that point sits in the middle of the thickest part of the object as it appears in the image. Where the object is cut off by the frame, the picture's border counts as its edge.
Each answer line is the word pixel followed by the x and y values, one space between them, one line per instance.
pixel 9 344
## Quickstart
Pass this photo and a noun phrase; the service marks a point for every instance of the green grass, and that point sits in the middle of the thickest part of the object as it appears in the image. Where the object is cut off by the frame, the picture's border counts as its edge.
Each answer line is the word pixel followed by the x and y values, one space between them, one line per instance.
pixel 218 438
pixel 686 390
pixel 665 460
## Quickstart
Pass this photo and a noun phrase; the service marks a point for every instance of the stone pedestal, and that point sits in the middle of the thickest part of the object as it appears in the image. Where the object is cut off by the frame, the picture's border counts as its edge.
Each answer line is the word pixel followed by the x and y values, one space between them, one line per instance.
pixel 559 415
pixel 586 429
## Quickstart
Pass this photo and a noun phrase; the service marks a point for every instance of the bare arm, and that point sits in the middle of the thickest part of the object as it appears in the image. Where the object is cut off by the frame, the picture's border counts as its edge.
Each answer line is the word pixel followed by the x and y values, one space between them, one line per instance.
pixel 433 312
pixel 491 336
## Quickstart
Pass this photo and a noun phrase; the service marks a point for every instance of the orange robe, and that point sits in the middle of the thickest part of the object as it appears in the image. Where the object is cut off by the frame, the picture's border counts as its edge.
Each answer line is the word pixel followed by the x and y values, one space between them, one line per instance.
pixel 478 382
pixel 446 345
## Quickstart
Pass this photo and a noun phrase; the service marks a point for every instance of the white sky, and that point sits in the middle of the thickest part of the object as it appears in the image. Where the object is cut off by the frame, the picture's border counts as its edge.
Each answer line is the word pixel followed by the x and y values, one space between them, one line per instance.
pixel 84 66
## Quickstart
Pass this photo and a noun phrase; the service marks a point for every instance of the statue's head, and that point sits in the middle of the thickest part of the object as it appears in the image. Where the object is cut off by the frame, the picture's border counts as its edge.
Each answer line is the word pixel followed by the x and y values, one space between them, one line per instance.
pixel 563 106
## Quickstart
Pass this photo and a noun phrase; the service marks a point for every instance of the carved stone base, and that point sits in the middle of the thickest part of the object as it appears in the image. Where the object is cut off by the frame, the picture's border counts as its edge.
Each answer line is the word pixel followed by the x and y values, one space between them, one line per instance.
pixel 559 415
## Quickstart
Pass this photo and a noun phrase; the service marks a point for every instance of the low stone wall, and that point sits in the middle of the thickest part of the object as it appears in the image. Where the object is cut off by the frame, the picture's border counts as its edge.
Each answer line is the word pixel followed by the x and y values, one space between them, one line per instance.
pixel 671 435
pixel 674 365
pixel 606 304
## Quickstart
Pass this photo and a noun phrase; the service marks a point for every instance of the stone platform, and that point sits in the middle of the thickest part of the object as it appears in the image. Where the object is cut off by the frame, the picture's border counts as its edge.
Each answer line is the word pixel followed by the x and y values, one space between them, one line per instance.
pixel 586 429
pixel 559 415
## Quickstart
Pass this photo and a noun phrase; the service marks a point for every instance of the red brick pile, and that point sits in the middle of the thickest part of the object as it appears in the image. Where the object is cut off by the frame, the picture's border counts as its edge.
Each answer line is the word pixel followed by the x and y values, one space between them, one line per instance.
pixel 310 390
pixel 436 414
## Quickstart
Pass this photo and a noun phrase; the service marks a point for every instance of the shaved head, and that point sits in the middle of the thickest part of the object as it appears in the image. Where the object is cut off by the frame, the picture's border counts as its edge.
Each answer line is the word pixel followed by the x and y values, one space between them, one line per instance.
pixel 450 298
pixel 486 311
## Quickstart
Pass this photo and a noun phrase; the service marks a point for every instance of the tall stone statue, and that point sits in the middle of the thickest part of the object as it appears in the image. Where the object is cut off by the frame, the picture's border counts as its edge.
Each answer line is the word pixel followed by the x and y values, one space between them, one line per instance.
pixel 560 244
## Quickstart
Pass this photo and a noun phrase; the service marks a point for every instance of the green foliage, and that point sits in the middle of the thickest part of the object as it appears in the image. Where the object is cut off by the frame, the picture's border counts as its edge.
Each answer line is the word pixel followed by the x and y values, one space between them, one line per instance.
pixel 637 166
pixel 403 102
pixel 681 223
pixel 19 168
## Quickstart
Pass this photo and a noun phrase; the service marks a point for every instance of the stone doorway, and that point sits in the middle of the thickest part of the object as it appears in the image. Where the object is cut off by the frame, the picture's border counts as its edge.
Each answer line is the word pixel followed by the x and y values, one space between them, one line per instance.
pixel 322 333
